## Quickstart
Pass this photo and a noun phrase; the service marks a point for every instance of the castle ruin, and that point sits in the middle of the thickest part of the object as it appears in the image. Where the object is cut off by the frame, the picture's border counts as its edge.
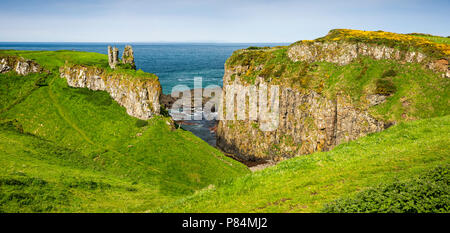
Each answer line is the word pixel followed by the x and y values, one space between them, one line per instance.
pixel 127 56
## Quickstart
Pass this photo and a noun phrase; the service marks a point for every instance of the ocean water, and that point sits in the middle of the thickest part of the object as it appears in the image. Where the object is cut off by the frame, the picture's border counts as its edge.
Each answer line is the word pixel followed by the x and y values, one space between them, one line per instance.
pixel 174 64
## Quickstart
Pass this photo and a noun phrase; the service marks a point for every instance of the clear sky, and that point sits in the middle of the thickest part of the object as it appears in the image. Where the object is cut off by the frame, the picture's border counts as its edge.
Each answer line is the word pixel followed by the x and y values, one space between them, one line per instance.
pixel 212 20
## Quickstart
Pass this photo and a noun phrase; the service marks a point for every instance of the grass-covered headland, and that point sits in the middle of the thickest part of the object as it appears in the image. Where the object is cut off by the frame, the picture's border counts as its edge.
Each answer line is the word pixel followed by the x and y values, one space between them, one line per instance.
pixel 65 149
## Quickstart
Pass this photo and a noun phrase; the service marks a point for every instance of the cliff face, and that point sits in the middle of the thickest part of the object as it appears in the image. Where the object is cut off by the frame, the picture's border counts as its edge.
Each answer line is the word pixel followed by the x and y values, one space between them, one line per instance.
pixel 20 65
pixel 139 95
pixel 343 53
pixel 308 122
pixel 333 90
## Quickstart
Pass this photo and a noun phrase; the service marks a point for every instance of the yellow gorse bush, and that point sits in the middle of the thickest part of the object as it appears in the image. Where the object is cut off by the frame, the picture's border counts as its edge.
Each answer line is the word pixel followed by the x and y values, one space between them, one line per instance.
pixel 389 38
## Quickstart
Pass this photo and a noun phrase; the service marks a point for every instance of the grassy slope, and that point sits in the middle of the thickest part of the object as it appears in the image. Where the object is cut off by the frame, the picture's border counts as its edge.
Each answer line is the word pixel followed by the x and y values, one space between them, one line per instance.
pixel 67 149
pixel 305 184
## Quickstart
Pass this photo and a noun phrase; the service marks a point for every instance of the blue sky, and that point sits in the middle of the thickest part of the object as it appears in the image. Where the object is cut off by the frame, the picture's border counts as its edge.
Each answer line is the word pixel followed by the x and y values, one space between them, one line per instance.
pixel 213 20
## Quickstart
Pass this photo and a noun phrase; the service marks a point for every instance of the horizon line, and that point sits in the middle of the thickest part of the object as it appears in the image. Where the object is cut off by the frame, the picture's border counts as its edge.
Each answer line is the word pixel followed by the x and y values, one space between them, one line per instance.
pixel 124 42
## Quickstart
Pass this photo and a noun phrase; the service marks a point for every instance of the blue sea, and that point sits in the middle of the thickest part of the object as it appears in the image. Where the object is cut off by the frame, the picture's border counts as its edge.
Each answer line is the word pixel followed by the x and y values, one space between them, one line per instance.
pixel 174 63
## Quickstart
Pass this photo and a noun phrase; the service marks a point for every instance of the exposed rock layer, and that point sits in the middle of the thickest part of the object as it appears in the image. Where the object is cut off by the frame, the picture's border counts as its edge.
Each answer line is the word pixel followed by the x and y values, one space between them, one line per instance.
pixel 20 65
pixel 343 53
pixel 140 96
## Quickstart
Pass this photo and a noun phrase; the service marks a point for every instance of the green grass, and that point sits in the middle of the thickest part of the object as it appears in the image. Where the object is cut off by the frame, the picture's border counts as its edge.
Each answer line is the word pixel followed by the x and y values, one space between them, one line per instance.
pixel 15 88
pixel 436 39
pixel 52 60
pixel 66 149
pixel 307 183
pixel 413 92
pixel 432 46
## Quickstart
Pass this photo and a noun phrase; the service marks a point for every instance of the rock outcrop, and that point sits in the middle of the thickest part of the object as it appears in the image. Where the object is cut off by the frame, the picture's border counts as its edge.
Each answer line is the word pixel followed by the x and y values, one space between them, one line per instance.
pixel 20 65
pixel 308 122
pixel 139 95
pixel 343 53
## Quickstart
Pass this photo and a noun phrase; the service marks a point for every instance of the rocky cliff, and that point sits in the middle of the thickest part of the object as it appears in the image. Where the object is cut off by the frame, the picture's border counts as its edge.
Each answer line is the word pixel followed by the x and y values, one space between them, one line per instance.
pixel 343 53
pixel 308 122
pixel 20 65
pixel 138 92
pixel 333 90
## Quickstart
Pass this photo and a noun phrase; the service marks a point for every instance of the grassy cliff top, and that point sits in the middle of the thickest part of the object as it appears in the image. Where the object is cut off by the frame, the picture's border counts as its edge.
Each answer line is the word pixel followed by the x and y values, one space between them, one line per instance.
pixel 120 72
pixel 53 60
pixel 433 46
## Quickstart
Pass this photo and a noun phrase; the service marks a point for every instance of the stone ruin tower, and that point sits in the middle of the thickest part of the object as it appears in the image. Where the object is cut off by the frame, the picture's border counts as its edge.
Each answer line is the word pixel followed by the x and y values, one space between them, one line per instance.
pixel 127 56
pixel 113 57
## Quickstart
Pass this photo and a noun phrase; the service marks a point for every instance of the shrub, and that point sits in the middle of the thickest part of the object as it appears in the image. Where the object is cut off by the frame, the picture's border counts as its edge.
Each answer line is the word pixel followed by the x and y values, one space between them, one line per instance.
pixel 363 72
pixel 13 125
pixel 267 70
pixel 233 77
pixel 394 40
pixel 141 123
pixel 389 73
pixel 163 111
pixel 279 70
pixel 429 193
pixel 126 66
pixel 256 47
pixel 42 82
pixel 97 98
pixel 385 86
